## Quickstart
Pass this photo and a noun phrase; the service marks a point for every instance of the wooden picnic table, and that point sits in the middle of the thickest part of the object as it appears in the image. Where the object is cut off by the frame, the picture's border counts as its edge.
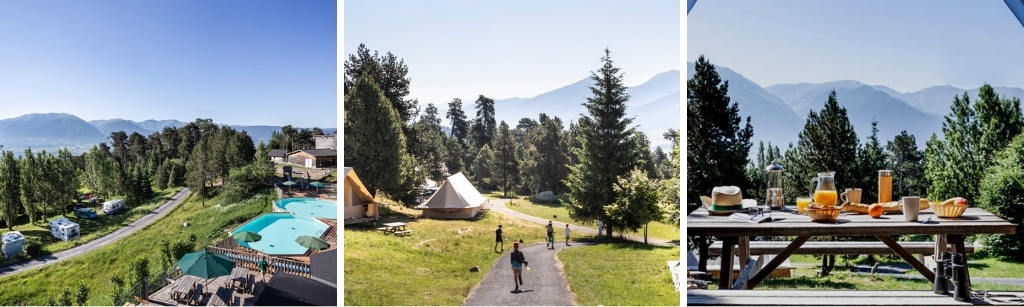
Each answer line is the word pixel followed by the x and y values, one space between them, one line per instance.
pixel 788 223
pixel 239 279
pixel 182 287
pixel 393 228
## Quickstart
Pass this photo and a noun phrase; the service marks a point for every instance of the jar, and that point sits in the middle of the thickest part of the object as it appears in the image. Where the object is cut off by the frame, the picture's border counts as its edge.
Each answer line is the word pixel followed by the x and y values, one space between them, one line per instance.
pixel 884 186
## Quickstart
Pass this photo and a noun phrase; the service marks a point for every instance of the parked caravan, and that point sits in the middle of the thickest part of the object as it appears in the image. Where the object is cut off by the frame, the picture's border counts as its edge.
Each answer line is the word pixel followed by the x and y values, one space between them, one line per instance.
pixel 113 206
pixel 64 229
pixel 13 242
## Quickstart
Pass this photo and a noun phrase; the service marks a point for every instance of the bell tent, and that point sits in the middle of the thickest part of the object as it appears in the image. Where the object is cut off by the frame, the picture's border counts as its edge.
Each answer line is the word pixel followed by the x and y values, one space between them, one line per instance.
pixel 455 199
pixel 360 206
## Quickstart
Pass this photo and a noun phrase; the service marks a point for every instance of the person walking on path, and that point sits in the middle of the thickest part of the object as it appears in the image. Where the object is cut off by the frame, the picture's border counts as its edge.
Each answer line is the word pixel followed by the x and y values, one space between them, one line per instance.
pixel 498 238
pixel 567 235
pixel 600 227
pixel 551 235
pixel 262 265
pixel 518 261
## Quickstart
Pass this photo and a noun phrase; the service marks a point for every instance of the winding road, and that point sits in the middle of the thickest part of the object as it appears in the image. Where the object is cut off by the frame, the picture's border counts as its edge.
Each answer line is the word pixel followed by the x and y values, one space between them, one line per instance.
pixel 122 232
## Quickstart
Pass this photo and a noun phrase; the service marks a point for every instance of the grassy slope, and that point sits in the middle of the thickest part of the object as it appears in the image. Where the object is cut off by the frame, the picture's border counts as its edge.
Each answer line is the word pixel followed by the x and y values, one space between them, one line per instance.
pixel 95 269
pixel 550 210
pixel 431 266
pixel 621 274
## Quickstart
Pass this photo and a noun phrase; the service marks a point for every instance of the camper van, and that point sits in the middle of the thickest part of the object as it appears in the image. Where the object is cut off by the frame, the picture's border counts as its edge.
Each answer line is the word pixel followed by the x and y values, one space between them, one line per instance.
pixel 64 229
pixel 12 243
pixel 113 206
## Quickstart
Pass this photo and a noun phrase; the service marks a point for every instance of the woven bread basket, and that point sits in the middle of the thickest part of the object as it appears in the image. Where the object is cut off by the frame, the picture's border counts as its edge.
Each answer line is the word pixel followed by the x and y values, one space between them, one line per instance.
pixel 948 211
pixel 823 214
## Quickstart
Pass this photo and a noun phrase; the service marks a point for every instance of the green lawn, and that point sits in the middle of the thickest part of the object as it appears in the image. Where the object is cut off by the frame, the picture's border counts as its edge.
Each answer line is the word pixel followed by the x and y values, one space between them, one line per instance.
pixel 621 274
pixel 431 266
pixel 90 229
pixel 804 276
pixel 94 269
pixel 558 214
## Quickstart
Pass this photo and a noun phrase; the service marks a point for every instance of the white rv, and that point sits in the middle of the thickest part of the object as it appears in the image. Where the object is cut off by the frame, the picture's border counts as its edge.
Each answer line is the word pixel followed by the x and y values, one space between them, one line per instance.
pixel 113 206
pixel 64 229
pixel 13 242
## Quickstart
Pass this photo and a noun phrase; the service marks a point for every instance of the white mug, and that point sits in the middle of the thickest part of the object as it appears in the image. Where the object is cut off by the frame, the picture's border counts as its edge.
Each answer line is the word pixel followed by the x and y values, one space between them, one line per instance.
pixel 911 205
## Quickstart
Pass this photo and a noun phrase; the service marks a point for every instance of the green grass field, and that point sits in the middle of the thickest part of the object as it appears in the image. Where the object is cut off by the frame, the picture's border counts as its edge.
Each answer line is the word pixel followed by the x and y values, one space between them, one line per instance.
pixel 804 276
pixel 559 214
pixel 625 273
pixel 94 269
pixel 431 266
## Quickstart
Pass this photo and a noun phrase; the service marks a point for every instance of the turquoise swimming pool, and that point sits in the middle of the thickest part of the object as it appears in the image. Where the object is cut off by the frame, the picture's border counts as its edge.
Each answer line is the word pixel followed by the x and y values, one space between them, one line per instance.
pixel 311 207
pixel 279 231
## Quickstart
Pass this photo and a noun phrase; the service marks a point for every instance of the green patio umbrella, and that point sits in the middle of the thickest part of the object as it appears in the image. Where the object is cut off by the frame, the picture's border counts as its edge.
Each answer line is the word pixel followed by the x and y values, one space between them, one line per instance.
pixel 206 264
pixel 247 236
pixel 289 183
pixel 312 242
pixel 317 184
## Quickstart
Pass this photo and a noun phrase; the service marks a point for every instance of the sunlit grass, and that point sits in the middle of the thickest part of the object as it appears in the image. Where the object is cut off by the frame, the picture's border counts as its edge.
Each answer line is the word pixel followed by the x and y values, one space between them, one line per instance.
pixel 617 274
pixel 95 268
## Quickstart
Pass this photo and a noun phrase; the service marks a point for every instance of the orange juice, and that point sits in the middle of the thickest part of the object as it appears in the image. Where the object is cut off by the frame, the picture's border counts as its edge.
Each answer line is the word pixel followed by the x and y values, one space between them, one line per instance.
pixel 826 198
pixel 801 204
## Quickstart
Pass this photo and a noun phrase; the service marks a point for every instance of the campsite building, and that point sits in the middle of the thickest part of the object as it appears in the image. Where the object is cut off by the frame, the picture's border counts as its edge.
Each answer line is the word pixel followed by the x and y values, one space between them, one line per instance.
pixel 360 206
pixel 318 158
pixel 278 155
pixel 457 198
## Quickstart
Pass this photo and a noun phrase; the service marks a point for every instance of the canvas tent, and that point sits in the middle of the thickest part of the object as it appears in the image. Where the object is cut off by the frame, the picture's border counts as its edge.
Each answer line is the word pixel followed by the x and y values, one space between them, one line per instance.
pixel 360 206
pixel 455 199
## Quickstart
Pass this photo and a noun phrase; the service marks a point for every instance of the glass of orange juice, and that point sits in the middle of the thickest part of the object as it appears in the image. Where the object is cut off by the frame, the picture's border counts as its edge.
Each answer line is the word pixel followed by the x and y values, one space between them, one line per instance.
pixel 802 203
pixel 826 197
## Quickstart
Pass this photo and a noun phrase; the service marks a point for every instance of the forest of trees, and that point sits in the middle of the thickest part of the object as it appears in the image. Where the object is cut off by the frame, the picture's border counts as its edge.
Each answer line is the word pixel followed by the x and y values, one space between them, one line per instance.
pixel 202 155
pixel 407 145
pixel 965 162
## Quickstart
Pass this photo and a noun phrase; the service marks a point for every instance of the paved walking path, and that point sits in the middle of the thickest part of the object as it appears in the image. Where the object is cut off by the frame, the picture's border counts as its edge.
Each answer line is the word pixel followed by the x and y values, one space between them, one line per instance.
pixel 543 285
pixel 145 220
pixel 498 205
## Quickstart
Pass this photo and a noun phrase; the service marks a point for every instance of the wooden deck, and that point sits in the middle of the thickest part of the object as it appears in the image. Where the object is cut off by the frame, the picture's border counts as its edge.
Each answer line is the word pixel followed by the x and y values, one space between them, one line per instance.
pixel 839 298
pixel 221 293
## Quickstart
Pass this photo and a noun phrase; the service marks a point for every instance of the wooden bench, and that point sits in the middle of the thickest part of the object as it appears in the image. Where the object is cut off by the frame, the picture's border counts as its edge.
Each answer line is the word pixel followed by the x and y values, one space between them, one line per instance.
pixel 403 232
pixel 699 297
pixel 834 248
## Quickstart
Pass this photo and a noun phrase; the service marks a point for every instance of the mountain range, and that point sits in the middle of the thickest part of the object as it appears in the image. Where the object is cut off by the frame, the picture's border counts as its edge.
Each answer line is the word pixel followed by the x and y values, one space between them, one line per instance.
pixel 52 131
pixel 654 105
pixel 778 112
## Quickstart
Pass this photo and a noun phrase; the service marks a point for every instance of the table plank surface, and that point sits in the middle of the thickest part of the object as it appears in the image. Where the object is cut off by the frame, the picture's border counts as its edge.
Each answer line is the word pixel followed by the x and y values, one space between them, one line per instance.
pixel 973 221
pixel 394 224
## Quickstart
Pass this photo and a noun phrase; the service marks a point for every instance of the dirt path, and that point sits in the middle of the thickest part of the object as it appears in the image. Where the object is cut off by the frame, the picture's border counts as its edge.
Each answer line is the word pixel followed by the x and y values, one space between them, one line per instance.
pixel 122 232
pixel 543 285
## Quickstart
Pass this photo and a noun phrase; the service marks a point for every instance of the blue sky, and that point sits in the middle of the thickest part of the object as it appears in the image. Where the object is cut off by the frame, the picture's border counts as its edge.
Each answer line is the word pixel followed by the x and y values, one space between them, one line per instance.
pixel 462 49
pixel 237 62
pixel 906 45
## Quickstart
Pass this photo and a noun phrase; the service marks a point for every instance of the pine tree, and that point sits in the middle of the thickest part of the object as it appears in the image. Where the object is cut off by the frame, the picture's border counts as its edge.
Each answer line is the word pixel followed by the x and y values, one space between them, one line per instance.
pixel 602 156
pixel 717 146
pixel 828 143
pixel 483 167
pixel 870 159
pixel 375 144
pixel 482 131
pixel 431 143
pixel 460 128
pixel 954 166
pixel 907 164
pixel 506 166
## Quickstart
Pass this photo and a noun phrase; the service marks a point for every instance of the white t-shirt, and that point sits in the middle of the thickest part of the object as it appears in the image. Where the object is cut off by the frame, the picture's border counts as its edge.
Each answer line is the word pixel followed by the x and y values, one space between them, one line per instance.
pixel 566 231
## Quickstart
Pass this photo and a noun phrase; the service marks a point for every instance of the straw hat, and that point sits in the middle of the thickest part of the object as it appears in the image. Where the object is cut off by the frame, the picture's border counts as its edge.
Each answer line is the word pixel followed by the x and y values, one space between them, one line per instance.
pixel 726 199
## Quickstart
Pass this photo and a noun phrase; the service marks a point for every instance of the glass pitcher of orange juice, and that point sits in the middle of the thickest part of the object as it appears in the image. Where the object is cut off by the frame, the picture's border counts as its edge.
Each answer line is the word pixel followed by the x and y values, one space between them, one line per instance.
pixel 825 193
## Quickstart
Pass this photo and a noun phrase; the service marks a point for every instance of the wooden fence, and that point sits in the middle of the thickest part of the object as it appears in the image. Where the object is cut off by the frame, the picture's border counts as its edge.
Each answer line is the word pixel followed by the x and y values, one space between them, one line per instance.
pixel 274 264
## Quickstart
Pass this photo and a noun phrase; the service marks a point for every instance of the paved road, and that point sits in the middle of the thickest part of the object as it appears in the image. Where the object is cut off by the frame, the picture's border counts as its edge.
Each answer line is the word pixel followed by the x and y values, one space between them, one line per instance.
pixel 543 285
pixel 498 205
pixel 128 229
